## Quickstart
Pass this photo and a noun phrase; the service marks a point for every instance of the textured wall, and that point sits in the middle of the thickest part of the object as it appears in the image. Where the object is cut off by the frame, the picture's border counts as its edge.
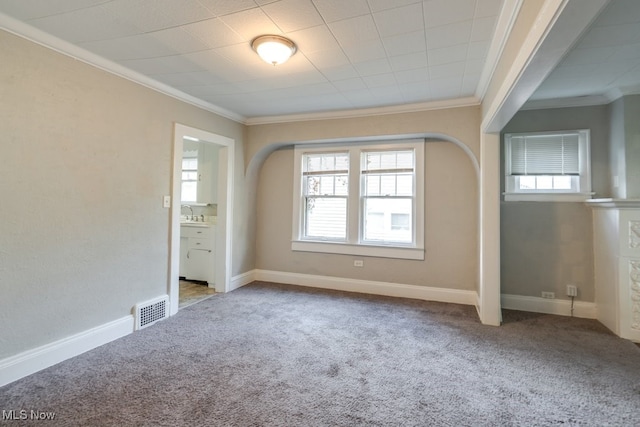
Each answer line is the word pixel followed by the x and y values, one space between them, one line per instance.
pixel 617 150
pixel 85 160
pixel 625 147
pixel 632 145
pixel 544 247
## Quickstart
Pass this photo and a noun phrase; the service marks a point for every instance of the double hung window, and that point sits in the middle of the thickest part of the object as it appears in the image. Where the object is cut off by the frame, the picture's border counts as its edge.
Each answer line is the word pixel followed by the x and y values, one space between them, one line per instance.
pixel 326 192
pixel 361 199
pixel 388 196
pixel 547 166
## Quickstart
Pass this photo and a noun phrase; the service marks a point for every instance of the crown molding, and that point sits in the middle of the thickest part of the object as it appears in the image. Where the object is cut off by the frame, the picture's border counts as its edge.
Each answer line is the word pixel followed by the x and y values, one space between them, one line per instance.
pixel 376 111
pixel 581 101
pixel 37 36
pixel 506 21
pixel 620 92
pixel 577 101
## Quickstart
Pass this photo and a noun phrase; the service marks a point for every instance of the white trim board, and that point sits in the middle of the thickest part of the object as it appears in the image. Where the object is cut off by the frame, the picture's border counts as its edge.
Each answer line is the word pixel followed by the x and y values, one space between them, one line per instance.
pixel 454 296
pixel 562 307
pixel 42 38
pixel 31 361
pixel 242 279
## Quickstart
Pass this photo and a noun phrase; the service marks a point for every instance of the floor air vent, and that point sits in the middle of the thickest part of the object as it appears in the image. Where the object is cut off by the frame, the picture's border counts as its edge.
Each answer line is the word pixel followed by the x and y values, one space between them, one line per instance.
pixel 149 312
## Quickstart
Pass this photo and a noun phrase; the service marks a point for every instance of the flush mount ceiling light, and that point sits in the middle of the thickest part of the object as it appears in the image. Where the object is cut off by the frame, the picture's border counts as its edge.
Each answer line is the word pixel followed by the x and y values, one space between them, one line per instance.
pixel 274 49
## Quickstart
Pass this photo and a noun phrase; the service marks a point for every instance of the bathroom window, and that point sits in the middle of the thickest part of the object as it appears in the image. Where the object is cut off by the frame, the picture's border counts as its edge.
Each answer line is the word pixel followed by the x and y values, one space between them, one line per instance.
pixel 189 179
pixel 360 199
pixel 547 166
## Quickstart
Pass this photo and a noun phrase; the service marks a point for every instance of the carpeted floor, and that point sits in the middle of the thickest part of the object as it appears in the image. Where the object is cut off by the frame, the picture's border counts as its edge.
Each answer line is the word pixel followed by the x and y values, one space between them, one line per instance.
pixel 276 355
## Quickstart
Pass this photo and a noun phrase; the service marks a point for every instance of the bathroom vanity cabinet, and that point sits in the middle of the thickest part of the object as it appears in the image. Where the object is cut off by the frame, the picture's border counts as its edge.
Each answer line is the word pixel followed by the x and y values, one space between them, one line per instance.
pixel 197 252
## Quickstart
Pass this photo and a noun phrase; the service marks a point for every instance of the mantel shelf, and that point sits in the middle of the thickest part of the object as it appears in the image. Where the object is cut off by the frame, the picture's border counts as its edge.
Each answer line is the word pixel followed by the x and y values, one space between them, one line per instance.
pixel 614 203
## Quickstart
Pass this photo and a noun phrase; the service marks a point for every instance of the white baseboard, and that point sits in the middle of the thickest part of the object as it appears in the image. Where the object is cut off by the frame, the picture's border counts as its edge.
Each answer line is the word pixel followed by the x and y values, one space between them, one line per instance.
pixel 242 279
pixel 369 287
pixel 586 310
pixel 31 361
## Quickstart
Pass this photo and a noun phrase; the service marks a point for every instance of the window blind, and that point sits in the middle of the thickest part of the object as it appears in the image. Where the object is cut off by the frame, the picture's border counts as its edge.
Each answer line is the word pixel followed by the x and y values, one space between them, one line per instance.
pixel 556 154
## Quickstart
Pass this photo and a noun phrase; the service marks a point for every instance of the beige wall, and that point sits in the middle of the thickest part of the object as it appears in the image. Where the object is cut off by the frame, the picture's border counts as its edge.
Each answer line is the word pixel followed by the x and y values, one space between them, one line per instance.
pixel 460 123
pixel 451 215
pixel 85 160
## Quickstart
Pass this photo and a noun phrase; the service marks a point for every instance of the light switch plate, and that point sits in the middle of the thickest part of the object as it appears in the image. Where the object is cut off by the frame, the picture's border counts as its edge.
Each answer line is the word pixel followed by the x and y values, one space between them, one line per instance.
pixel 166 201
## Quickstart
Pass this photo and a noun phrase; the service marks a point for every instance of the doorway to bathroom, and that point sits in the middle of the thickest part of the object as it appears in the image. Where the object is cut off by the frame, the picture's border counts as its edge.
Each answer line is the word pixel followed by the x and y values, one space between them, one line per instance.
pixel 219 213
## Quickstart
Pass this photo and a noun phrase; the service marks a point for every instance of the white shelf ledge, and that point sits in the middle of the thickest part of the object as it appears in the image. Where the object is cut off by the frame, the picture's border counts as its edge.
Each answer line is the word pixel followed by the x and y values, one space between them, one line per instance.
pixel 614 203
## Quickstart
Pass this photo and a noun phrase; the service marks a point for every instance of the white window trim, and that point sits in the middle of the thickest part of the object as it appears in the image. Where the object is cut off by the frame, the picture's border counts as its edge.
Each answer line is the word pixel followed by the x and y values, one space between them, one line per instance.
pixel 353 246
pixel 584 180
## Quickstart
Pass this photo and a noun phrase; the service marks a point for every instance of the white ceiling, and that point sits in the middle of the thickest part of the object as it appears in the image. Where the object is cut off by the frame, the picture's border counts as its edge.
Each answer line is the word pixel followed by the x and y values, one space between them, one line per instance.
pixel 353 54
pixel 603 65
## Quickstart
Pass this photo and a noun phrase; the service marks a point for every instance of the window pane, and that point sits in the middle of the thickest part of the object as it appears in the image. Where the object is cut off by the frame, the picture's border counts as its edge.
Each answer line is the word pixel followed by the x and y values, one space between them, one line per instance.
pixel 372 185
pixel 527 182
pixel 342 185
pixel 400 221
pixel 388 220
pixel 404 185
pixel 326 185
pixel 189 176
pixel 326 162
pixel 405 159
pixel 342 161
pixel 313 163
pixel 388 185
pixel 326 218
pixel 562 182
pixel 544 182
pixel 372 161
pixel 312 185
pixel 190 163
pixel 388 160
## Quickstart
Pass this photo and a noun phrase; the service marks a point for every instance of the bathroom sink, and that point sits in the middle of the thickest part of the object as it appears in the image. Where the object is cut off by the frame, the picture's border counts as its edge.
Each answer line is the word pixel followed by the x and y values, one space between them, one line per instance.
pixel 195 223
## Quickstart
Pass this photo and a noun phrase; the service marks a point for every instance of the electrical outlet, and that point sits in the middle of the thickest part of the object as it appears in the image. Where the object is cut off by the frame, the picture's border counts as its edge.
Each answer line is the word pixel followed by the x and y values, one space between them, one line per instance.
pixel 572 291
pixel 358 263
pixel 550 295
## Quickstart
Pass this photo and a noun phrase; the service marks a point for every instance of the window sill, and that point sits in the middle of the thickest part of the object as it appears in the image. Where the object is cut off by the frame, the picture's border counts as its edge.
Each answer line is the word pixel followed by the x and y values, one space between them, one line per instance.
pixel 547 197
pixel 359 250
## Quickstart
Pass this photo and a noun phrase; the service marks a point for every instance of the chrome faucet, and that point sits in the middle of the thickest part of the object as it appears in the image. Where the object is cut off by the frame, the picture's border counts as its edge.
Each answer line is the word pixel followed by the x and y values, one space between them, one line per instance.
pixel 191 209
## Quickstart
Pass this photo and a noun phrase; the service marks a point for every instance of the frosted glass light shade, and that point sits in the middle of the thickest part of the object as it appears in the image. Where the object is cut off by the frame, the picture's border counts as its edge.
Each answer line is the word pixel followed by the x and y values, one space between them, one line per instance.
pixel 273 49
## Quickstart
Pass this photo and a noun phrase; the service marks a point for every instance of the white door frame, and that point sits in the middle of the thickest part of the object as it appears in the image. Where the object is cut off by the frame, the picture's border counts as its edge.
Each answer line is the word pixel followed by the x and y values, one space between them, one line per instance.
pixel 225 210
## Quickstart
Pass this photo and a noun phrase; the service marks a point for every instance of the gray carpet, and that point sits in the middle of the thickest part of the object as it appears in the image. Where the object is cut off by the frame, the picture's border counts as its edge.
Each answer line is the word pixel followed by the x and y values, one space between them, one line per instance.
pixel 276 355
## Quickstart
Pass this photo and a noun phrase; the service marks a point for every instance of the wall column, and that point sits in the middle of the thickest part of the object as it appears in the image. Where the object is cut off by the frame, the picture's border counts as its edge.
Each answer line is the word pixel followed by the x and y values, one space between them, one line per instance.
pixel 489 272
